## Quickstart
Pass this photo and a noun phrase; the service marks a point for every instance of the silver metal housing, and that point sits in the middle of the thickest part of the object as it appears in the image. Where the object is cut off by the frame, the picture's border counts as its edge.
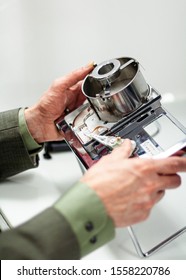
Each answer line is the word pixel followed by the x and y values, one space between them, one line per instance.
pixel 115 88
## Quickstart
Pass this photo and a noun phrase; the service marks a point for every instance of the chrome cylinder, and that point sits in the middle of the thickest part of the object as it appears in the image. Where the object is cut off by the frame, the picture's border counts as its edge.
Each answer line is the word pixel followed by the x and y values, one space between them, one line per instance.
pixel 115 88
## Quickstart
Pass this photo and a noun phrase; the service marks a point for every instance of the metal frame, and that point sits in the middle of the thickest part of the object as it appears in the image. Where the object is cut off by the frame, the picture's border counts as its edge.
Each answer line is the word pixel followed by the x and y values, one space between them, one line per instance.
pixel 4 222
pixel 155 248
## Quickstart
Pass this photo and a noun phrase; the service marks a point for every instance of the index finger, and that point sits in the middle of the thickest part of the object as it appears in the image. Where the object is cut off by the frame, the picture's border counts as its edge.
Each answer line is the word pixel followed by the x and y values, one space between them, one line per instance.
pixel 170 165
pixel 74 77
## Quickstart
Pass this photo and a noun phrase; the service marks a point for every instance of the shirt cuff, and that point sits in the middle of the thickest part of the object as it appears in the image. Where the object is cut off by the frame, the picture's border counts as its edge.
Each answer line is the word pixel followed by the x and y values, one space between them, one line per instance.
pixel 87 217
pixel 31 145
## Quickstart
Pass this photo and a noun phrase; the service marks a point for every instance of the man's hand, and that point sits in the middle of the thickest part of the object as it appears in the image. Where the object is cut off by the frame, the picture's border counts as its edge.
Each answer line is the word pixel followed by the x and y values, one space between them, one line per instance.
pixel 64 93
pixel 129 187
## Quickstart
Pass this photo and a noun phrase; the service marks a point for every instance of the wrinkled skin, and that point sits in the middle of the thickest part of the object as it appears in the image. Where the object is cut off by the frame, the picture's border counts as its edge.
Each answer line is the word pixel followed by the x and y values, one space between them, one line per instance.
pixel 128 187
pixel 64 93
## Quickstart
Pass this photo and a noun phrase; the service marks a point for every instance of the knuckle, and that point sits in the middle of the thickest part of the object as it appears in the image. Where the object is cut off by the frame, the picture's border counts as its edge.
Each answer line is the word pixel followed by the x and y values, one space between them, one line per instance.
pixel 145 166
pixel 175 164
pixel 55 83
pixel 58 82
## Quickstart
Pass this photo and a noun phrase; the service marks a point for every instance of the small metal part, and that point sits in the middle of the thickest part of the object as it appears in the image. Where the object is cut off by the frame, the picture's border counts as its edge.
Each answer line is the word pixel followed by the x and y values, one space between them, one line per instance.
pixel 67 110
pixel 109 141
pixel 106 89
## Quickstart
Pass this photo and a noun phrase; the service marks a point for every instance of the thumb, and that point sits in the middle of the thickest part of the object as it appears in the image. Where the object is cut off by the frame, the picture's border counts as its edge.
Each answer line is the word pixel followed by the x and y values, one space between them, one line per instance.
pixel 126 149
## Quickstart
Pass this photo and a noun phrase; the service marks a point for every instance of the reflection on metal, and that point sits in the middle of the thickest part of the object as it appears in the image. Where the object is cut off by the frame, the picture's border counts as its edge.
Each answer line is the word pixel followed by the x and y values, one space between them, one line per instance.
pixel 115 88
pixel 155 248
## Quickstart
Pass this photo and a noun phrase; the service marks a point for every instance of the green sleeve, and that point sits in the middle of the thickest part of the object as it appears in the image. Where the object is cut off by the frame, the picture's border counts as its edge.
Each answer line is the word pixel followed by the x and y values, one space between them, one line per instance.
pixel 32 146
pixel 87 216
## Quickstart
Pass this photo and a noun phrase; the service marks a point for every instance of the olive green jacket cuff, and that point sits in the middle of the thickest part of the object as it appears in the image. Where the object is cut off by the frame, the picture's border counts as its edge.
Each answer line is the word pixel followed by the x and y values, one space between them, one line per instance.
pixel 87 216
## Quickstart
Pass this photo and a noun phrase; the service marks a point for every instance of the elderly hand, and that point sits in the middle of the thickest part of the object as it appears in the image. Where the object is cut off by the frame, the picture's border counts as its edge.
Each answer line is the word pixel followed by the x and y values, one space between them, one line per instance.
pixel 64 93
pixel 129 187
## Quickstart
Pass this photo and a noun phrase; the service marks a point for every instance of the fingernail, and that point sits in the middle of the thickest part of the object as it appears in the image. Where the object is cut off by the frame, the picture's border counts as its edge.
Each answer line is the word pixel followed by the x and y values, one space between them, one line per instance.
pixel 133 145
pixel 90 64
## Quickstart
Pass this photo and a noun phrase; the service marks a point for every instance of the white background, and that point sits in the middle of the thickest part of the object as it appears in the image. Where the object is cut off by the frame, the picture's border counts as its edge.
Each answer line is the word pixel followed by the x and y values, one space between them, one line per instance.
pixel 41 40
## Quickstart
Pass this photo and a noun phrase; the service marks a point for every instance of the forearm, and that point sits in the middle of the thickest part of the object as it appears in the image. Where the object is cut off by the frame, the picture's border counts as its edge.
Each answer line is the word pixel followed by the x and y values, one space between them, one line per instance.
pixel 46 236
pixel 76 225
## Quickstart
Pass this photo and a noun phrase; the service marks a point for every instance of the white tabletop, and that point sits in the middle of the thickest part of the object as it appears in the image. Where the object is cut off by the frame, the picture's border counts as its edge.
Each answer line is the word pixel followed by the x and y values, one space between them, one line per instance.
pixel 26 194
